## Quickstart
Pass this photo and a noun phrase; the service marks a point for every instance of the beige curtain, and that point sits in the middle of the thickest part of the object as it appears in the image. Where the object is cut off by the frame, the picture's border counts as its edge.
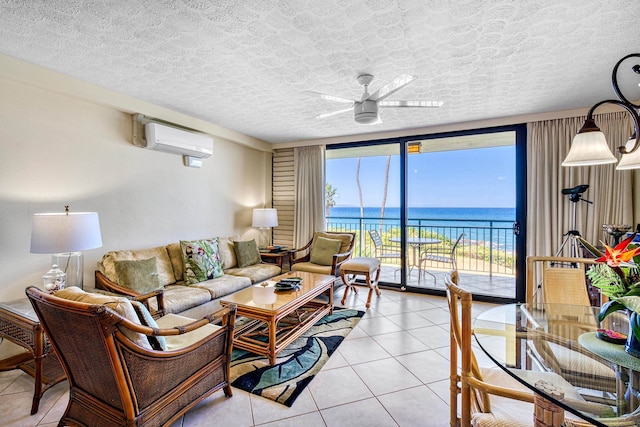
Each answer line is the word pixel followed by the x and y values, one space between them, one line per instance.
pixel 309 190
pixel 549 212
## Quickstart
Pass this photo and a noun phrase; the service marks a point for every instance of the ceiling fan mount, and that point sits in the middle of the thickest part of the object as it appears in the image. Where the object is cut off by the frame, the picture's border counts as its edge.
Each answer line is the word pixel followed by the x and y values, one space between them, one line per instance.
pixel 365 110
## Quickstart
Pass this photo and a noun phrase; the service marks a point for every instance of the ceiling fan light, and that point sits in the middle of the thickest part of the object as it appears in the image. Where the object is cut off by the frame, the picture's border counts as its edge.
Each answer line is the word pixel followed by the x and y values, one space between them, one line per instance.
pixel 631 160
pixel 366 112
pixel 589 148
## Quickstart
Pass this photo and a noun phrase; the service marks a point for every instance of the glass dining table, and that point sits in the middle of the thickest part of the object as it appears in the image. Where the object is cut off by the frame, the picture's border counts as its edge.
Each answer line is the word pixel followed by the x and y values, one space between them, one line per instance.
pixel 561 338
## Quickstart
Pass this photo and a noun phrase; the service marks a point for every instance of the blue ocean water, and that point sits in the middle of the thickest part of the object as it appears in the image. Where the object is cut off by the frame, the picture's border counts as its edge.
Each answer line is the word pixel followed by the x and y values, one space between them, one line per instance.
pixel 475 222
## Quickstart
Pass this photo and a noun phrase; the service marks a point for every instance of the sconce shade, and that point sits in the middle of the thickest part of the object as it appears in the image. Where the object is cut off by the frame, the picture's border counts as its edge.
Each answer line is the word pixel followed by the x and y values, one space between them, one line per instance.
pixel 589 148
pixel 65 232
pixel 265 218
pixel 631 160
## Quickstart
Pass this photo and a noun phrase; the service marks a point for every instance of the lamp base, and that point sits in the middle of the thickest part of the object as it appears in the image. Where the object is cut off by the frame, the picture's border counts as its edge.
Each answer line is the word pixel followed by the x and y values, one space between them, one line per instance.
pixel 264 239
pixel 71 263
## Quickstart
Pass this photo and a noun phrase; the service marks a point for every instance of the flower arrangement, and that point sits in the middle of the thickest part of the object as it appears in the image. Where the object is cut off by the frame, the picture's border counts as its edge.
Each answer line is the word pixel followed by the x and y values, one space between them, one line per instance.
pixel 618 277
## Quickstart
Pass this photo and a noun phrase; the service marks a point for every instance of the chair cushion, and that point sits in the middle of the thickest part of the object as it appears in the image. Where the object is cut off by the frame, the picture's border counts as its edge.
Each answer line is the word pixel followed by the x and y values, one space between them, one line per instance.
pixel 163 263
pixel 311 268
pixel 323 250
pixel 140 275
pixel 247 253
pixel 120 305
pixel 360 264
pixel 201 260
pixel 176 342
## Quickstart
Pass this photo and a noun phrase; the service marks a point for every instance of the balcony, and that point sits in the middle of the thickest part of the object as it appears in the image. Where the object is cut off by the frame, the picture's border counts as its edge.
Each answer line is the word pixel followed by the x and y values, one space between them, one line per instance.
pixel 485 257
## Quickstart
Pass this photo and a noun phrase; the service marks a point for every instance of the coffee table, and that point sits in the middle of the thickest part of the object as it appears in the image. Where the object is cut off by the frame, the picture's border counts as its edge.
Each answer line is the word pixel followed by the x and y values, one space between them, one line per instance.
pixel 272 327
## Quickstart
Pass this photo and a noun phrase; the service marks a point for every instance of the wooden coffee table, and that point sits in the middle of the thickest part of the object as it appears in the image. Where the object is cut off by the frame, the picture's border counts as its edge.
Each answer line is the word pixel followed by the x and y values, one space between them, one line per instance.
pixel 272 327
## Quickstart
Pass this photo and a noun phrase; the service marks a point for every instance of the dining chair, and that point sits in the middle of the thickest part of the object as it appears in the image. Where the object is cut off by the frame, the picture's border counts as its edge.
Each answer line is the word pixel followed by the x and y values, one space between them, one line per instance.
pixel 551 280
pixel 444 254
pixel 488 396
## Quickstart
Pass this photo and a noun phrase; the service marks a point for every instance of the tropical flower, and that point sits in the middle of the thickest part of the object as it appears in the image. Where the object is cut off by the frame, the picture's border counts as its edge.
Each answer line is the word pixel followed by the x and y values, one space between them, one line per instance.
pixel 618 277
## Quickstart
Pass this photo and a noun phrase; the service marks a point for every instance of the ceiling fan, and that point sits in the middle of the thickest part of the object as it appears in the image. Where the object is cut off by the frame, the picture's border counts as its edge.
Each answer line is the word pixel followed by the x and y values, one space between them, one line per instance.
pixel 366 109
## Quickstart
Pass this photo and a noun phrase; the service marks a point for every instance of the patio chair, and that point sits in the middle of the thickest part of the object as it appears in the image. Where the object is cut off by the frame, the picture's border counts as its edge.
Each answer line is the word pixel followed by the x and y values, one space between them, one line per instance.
pixel 116 377
pixel 382 251
pixel 489 396
pixel 324 253
pixel 443 254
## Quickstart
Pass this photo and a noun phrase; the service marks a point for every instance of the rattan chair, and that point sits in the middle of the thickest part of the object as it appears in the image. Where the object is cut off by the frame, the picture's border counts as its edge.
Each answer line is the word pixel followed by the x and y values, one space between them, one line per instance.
pixel 563 280
pixel 303 263
pixel 114 380
pixel 489 396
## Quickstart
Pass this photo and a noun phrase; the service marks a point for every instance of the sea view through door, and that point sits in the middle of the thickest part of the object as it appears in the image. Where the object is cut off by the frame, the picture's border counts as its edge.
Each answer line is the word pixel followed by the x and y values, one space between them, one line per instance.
pixel 460 199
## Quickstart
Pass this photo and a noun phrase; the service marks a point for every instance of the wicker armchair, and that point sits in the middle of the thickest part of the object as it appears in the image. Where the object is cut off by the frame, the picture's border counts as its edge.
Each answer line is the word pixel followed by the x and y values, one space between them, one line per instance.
pixel 115 381
pixel 304 263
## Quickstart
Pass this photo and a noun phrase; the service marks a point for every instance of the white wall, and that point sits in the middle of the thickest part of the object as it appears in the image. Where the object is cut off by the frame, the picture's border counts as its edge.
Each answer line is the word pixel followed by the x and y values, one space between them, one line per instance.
pixel 57 150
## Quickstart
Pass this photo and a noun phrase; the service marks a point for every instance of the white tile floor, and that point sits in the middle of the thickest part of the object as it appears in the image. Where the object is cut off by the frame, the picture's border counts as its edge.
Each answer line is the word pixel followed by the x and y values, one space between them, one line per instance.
pixel 391 370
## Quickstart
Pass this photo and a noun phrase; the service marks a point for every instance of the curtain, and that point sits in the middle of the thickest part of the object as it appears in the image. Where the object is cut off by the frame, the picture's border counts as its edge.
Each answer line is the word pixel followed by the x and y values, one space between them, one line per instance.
pixel 549 212
pixel 309 190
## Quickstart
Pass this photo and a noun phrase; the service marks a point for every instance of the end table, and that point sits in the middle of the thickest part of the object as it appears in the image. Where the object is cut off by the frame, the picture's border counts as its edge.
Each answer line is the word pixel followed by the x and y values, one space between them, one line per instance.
pixel 19 324
pixel 276 257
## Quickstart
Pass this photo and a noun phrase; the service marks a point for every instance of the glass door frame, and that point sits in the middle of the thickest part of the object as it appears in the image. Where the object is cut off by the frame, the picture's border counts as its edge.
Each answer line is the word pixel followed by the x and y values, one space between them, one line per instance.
pixel 521 202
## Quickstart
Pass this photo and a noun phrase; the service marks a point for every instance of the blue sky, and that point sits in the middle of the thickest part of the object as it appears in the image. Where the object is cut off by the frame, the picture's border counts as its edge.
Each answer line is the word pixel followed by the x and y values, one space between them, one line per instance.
pixel 483 177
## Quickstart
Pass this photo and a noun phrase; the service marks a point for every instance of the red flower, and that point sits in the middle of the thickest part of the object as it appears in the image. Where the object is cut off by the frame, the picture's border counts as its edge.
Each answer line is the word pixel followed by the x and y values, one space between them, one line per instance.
pixel 620 256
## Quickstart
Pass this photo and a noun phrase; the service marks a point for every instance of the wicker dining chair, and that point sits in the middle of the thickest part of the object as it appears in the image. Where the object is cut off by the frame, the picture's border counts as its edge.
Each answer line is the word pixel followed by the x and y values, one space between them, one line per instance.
pixel 489 396
pixel 115 376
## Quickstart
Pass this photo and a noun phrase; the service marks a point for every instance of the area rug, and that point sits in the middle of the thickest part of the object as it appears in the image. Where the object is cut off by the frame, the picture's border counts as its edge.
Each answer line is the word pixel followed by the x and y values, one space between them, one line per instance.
pixel 297 364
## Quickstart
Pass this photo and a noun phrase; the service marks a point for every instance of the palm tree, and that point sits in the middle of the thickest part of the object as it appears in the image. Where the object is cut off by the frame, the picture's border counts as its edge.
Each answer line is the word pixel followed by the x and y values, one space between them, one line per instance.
pixel 329 198
pixel 384 192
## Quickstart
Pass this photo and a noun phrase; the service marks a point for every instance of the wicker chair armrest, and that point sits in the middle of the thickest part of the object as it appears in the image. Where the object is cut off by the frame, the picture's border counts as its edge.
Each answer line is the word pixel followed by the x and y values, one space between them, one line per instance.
pixel 102 282
pixel 525 396
pixel 292 256
pixel 158 294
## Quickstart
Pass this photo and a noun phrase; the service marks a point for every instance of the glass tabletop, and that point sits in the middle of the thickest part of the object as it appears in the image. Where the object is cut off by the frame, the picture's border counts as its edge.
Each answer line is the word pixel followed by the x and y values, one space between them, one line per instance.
pixel 21 307
pixel 525 339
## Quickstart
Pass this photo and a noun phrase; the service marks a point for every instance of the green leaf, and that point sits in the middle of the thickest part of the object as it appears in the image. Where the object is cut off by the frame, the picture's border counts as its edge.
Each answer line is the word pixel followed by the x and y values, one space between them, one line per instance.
pixel 634 323
pixel 630 302
pixel 589 247
pixel 609 308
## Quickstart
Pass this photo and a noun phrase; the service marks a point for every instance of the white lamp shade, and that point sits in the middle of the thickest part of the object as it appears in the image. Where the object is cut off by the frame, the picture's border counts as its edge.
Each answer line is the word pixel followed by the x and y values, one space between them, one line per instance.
pixel 65 232
pixel 631 160
pixel 589 148
pixel 265 218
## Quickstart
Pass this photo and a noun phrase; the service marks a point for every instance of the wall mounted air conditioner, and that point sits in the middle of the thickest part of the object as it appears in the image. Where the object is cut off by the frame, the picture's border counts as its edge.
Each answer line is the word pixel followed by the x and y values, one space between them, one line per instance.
pixel 160 137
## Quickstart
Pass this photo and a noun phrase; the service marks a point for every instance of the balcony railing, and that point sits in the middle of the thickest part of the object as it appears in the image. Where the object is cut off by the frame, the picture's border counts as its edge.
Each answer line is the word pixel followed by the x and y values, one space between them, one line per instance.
pixel 488 245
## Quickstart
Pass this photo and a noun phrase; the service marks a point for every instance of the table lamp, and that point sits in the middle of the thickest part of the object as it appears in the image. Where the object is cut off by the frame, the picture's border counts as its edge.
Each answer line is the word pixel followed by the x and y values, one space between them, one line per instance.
pixel 64 235
pixel 264 219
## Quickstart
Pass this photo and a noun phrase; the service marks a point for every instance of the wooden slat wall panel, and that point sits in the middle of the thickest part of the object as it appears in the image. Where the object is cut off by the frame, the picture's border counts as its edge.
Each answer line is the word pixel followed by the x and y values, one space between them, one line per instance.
pixel 283 195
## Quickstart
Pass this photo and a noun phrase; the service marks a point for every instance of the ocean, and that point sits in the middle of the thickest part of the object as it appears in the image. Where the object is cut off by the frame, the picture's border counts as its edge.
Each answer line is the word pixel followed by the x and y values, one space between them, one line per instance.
pixel 475 222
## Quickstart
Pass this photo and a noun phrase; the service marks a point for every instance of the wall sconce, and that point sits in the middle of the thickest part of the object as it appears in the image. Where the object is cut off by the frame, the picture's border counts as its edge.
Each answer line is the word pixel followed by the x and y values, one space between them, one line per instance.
pixel 589 146
pixel 264 219
pixel 63 235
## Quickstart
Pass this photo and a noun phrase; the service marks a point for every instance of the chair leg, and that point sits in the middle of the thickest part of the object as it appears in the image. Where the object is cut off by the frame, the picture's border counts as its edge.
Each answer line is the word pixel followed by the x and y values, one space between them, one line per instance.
pixel 348 284
pixel 373 287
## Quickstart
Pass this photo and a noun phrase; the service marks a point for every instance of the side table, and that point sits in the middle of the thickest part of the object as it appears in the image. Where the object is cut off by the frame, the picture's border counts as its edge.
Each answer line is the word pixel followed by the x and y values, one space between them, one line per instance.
pixel 276 258
pixel 19 324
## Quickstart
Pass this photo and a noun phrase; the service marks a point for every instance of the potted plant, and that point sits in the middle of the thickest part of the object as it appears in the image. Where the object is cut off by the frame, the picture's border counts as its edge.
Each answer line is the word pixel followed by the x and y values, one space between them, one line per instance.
pixel 618 277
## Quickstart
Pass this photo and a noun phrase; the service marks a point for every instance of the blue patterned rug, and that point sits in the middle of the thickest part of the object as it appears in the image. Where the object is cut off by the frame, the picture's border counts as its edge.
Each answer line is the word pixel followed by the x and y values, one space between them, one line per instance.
pixel 297 364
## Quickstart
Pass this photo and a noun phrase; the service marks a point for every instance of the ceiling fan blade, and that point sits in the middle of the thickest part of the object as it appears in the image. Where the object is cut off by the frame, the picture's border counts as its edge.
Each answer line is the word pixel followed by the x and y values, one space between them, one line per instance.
pixel 411 104
pixel 331 97
pixel 333 113
pixel 391 87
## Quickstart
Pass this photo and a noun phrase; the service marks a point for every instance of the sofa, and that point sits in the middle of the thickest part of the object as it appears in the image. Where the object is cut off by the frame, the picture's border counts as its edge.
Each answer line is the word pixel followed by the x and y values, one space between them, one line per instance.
pixel 162 271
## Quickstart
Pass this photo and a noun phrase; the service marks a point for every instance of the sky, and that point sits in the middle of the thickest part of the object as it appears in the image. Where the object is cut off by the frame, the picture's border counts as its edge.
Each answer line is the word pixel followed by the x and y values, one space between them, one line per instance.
pixel 482 177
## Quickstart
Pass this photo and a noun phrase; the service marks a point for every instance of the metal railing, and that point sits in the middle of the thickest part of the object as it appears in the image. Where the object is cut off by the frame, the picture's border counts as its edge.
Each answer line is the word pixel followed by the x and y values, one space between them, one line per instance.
pixel 488 245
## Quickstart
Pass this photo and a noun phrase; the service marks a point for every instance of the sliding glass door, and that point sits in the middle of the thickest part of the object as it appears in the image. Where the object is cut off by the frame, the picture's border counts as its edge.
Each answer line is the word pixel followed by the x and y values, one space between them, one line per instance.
pixel 426 205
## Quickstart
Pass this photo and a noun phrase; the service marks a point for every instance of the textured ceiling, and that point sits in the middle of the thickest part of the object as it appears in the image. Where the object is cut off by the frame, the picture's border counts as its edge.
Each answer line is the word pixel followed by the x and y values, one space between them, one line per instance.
pixel 246 65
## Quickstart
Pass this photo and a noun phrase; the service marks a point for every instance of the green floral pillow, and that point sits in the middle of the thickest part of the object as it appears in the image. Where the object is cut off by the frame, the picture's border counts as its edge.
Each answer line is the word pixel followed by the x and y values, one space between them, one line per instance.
pixel 201 260
pixel 247 253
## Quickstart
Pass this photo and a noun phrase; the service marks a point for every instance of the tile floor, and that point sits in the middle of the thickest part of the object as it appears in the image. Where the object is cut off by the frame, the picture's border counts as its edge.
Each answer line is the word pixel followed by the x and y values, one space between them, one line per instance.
pixel 391 370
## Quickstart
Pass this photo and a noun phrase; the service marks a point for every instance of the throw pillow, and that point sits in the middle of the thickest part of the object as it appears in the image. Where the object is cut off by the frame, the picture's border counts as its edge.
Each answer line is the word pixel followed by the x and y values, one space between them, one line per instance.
pixel 156 342
pixel 140 276
pixel 201 260
pixel 323 250
pixel 247 253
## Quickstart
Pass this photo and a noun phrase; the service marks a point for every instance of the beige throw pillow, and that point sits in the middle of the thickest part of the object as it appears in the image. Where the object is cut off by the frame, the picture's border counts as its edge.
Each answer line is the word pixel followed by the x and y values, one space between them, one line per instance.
pixel 323 250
